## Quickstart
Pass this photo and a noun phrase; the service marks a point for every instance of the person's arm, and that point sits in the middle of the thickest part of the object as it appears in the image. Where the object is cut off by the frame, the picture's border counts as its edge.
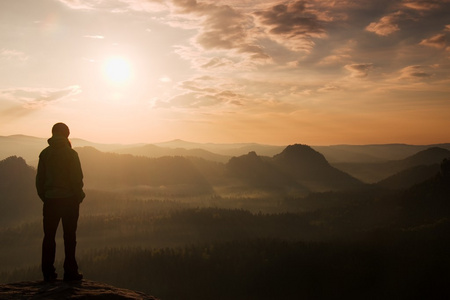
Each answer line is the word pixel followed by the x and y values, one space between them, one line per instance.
pixel 77 178
pixel 40 178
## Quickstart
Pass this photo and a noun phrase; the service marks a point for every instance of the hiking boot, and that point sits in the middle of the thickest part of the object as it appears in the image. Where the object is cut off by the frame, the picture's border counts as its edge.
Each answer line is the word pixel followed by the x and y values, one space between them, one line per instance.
pixel 73 277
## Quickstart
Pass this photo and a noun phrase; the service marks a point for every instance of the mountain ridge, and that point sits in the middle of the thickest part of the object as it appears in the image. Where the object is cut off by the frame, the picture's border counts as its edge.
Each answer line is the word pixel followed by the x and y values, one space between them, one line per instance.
pixel 409 177
pixel 312 169
pixel 375 172
pixel 29 148
pixel 296 165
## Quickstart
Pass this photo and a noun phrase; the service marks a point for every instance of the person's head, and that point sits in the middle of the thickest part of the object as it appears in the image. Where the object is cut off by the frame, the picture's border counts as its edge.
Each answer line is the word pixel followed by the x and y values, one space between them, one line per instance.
pixel 60 129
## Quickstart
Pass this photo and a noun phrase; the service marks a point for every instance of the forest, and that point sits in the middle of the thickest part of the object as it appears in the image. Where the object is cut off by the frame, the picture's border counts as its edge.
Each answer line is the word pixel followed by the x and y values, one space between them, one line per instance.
pixel 256 227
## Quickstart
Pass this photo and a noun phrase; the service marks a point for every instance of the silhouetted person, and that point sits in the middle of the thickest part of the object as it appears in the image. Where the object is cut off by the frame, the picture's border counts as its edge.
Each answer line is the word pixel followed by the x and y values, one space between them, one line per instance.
pixel 59 183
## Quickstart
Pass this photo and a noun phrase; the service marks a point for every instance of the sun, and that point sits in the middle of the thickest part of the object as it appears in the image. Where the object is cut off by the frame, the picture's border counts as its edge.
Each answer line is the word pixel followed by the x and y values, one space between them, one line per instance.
pixel 117 69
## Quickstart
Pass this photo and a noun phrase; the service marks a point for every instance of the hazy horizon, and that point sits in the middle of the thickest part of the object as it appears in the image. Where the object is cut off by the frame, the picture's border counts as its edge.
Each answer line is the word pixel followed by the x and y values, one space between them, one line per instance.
pixel 272 72
pixel 174 140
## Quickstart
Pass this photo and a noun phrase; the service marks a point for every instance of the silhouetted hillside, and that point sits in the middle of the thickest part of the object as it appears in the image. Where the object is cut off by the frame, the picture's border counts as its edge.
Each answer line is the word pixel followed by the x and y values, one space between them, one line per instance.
pixel 430 156
pixel 409 177
pixel 18 198
pixel 156 151
pixel 311 169
pixel 374 172
pixel 260 172
pixel 121 171
pixel 234 149
pixel 372 153
pixel 297 167
pixel 27 147
pixel 369 244
pixel 429 201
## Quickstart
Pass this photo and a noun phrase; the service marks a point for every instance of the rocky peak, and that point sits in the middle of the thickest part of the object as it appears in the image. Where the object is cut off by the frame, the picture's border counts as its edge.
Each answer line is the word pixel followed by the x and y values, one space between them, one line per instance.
pixel 301 156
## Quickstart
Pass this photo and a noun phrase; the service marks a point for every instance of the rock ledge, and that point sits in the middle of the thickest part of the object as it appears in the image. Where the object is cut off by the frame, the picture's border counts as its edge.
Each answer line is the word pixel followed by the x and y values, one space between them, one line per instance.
pixel 59 289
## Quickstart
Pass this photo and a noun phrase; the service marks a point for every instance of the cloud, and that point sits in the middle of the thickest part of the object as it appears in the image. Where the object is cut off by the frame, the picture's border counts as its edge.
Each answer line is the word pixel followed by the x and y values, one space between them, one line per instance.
pixel 439 40
pixel 117 6
pixel 98 37
pixel 359 70
pixel 200 99
pixel 329 88
pixel 13 55
pixel 199 85
pixel 35 98
pixel 416 72
pixel 217 62
pixel 292 25
pixel 165 79
pixel 81 4
pixel 423 5
pixel 221 27
pixel 386 25
pixel 407 13
pixel 201 92
pixel 339 55
pixel 436 41
pixel 147 5
pixel 193 100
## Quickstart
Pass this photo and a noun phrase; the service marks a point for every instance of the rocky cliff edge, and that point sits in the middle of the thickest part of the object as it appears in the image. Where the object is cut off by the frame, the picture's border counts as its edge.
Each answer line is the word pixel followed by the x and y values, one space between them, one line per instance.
pixel 59 289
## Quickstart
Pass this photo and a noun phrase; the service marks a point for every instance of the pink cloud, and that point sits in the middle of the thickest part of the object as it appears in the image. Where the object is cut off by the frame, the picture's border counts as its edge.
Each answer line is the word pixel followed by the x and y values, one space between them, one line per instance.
pixel 386 25
pixel 36 98
pixel 423 4
pixel 416 72
pixel 359 70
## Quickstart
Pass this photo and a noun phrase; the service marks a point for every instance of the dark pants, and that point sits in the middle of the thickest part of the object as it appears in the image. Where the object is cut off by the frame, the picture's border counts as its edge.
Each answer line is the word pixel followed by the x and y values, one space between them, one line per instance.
pixel 67 210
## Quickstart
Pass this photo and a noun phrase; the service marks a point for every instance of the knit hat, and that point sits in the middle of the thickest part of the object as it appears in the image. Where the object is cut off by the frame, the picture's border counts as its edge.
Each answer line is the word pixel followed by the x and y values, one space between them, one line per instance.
pixel 60 129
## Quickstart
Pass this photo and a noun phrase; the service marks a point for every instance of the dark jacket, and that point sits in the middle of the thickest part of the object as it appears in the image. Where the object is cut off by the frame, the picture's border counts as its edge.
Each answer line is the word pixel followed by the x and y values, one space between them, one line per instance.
pixel 59 173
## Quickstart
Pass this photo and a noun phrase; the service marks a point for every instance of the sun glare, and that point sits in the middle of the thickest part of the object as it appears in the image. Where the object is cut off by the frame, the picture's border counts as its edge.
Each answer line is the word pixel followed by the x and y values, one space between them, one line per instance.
pixel 117 69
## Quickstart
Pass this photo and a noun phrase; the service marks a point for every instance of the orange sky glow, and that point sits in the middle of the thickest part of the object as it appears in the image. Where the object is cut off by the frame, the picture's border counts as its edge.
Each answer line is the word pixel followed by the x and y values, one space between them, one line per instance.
pixel 315 72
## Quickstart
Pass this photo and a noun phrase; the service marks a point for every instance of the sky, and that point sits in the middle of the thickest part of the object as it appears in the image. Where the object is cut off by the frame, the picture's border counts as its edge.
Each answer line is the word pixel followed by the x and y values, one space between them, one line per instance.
pixel 316 72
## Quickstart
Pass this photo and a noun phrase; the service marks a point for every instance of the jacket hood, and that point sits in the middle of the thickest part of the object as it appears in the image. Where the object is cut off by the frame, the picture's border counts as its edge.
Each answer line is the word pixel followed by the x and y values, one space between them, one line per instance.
pixel 59 141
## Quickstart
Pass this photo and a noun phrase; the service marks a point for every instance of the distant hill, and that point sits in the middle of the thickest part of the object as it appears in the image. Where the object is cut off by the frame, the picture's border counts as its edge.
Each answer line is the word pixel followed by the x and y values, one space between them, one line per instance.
pixel 297 165
pixel 409 177
pixel 156 151
pixel 122 171
pixel 18 197
pixel 232 149
pixel 261 172
pixel 308 166
pixel 416 168
pixel 429 201
pixel 311 168
pixel 29 147
pixel 374 172
pixel 372 153
pixel 429 156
